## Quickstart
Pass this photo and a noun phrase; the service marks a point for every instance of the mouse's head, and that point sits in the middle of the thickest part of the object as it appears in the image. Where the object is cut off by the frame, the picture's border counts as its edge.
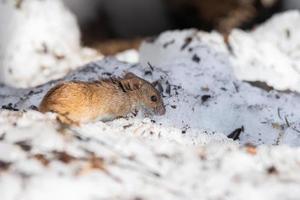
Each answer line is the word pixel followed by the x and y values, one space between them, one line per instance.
pixel 149 96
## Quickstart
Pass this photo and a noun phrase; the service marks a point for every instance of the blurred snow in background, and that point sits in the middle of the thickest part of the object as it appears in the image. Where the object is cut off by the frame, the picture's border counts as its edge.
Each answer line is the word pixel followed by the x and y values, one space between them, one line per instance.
pixel 40 41
pixel 270 53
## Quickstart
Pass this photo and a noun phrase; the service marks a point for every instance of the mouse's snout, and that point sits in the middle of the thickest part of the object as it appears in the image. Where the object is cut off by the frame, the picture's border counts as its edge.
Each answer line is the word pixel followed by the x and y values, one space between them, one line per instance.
pixel 160 110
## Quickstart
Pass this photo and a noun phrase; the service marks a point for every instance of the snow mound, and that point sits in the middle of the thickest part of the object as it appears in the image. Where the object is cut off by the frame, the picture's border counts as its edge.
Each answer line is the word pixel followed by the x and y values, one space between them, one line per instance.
pixel 204 92
pixel 200 94
pixel 40 41
pixel 135 159
pixel 270 53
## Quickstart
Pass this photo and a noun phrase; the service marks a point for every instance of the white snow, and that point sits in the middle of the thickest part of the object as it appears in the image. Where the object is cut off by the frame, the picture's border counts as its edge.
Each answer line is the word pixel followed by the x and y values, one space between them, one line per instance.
pixel 129 56
pixel 204 68
pixel 138 162
pixel 270 53
pixel 40 41
pixel 184 154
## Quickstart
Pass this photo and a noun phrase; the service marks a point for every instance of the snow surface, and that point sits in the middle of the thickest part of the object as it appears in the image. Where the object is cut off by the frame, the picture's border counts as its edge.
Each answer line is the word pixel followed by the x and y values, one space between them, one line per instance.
pixel 184 154
pixel 270 53
pixel 136 159
pixel 212 98
pixel 40 41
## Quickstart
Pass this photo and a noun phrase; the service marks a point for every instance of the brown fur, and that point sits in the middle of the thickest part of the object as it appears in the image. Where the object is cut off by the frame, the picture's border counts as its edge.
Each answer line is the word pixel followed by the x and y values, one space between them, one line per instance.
pixel 77 101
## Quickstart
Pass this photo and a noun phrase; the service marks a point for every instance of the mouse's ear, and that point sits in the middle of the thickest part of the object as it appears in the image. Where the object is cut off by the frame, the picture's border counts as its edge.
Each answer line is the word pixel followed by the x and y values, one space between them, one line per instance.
pixel 129 75
pixel 130 84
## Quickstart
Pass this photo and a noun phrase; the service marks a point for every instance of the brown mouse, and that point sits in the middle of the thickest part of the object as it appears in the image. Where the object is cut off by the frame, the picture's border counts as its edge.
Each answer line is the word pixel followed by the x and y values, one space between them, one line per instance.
pixel 79 102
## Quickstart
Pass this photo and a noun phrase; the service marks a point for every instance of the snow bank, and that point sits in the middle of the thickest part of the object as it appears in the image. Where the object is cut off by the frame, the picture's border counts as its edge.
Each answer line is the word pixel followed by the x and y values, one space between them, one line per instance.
pixel 135 159
pixel 200 94
pixel 197 70
pixel 270 53
pixel 40 41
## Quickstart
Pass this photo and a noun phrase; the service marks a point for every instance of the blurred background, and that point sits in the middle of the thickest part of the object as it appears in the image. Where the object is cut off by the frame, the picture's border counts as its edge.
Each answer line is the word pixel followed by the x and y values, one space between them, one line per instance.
pixel 53 37
pixel 115 25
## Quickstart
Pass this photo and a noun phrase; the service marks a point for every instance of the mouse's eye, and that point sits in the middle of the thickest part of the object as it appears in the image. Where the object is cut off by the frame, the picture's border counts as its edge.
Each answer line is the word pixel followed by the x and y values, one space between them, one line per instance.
pixel 154 98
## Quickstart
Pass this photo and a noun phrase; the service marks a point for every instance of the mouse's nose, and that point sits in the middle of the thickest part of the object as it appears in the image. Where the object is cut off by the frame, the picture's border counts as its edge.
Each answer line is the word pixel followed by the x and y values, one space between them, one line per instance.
pixel 161 110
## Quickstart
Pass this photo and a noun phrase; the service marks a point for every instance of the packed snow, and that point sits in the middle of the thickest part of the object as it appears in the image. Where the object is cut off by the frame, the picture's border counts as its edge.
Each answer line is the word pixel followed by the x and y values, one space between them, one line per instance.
pixel 136 159
pixel 197 66
pixel 184 154
pixel 40 41
pixel 270 53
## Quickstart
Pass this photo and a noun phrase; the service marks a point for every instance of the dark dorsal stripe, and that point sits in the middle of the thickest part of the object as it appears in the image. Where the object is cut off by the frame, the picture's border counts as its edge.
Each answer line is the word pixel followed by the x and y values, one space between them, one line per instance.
pixel 128 86
pixel 125 85
pixel 122 84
